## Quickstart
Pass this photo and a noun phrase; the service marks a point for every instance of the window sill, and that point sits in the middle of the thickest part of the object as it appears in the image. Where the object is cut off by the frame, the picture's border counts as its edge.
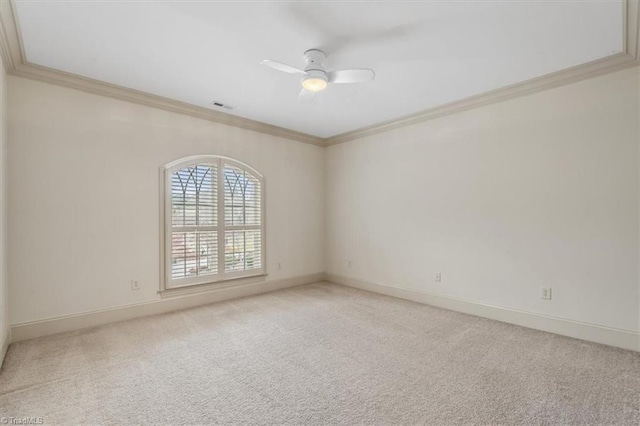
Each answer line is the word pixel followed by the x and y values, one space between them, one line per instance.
pixel 214 286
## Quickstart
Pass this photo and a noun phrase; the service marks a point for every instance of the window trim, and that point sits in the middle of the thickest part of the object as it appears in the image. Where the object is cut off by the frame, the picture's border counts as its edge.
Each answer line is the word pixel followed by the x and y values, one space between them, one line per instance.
pixel 222 278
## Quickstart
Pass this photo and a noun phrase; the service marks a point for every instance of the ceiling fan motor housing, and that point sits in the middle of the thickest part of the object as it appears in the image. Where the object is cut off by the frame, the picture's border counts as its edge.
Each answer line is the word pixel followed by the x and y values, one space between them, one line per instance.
pixel 316 77
pixel 313 73
pixel 314 59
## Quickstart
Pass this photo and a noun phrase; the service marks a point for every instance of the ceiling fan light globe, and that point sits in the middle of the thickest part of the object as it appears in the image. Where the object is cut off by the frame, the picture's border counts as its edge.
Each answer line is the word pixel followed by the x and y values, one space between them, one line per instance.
pixel 314 84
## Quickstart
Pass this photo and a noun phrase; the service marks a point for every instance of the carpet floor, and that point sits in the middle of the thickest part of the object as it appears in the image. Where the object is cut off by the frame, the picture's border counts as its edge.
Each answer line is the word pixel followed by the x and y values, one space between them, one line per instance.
pixel 318 354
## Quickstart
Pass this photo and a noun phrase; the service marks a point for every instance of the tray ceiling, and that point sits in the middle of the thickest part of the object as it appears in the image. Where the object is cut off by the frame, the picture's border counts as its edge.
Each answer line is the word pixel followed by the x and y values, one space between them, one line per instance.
pixel 425 54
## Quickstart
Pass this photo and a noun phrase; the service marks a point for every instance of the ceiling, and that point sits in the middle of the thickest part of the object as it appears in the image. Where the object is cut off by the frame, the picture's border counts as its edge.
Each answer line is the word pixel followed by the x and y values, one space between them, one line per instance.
pixel 425 53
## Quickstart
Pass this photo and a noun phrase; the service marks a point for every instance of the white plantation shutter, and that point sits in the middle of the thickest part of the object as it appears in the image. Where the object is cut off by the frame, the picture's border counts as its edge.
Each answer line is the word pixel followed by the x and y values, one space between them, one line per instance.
pixel 214 221
pixel 194 241
pixel 242 220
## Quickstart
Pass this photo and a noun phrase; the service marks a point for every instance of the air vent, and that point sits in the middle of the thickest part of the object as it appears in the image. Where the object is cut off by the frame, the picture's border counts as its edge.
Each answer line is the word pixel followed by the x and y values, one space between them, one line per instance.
pixel 217 104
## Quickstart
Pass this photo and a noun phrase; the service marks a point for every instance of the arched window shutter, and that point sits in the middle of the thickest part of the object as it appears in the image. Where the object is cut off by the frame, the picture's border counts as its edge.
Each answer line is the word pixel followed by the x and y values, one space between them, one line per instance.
pixel 214 221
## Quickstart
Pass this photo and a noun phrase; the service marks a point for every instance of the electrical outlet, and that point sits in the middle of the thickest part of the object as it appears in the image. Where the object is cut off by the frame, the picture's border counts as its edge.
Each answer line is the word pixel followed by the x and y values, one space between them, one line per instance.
pixel 545 293
pixel 438 277
pixel 279 267
pixel 349 264
pixel 135 285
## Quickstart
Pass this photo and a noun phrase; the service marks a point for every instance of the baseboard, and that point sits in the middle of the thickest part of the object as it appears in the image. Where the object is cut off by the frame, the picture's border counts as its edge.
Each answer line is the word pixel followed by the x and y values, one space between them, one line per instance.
pixel 591 332
pixel 6 340
pixel 625 339
pixel 30 330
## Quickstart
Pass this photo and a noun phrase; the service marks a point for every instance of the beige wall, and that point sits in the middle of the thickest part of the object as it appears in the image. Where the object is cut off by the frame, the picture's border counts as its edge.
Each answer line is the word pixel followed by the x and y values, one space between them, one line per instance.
pixel 4 286
pixel 84 197
pixel 538 191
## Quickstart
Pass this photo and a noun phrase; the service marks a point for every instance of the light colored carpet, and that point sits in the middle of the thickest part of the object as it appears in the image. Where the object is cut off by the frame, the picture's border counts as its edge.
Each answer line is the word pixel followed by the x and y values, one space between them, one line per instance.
pixel 318 354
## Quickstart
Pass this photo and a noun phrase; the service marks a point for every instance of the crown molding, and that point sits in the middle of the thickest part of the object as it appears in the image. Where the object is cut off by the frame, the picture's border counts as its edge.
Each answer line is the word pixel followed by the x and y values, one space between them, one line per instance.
pixel 629 57
pixel 632 29
pixel 48 75
pixel 15 62
pixel 571 75
pixel 10 40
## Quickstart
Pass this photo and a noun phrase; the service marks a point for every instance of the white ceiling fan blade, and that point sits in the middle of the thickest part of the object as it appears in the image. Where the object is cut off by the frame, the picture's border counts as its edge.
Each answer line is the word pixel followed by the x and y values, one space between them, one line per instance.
pixel 306 96
pixel 351 76
pixel 281 67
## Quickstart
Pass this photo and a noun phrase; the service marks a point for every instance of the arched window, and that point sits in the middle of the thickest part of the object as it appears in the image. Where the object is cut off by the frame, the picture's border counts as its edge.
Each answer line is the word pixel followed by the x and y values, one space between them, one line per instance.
pixel 213 221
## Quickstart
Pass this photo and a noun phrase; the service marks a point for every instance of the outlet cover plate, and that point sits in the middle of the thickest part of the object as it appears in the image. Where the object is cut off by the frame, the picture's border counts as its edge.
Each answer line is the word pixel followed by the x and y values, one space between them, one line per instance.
pixel 545 293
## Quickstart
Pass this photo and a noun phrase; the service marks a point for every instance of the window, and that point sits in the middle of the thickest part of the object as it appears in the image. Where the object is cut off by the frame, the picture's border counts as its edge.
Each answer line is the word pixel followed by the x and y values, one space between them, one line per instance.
pixel 213 221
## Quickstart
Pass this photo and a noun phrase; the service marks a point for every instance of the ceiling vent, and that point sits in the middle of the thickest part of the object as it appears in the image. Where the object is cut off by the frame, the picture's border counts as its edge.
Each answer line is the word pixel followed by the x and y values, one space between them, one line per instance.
pixel 217 104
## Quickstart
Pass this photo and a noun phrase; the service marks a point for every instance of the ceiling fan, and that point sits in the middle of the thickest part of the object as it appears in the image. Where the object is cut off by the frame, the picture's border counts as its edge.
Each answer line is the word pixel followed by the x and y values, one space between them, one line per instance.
pixel 315 78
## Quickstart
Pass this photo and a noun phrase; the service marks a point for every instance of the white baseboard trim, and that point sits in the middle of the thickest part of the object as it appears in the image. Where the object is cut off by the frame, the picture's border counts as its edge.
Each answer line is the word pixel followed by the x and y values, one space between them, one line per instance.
pixel 6 341
pixel 625 339
pixel 33 329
